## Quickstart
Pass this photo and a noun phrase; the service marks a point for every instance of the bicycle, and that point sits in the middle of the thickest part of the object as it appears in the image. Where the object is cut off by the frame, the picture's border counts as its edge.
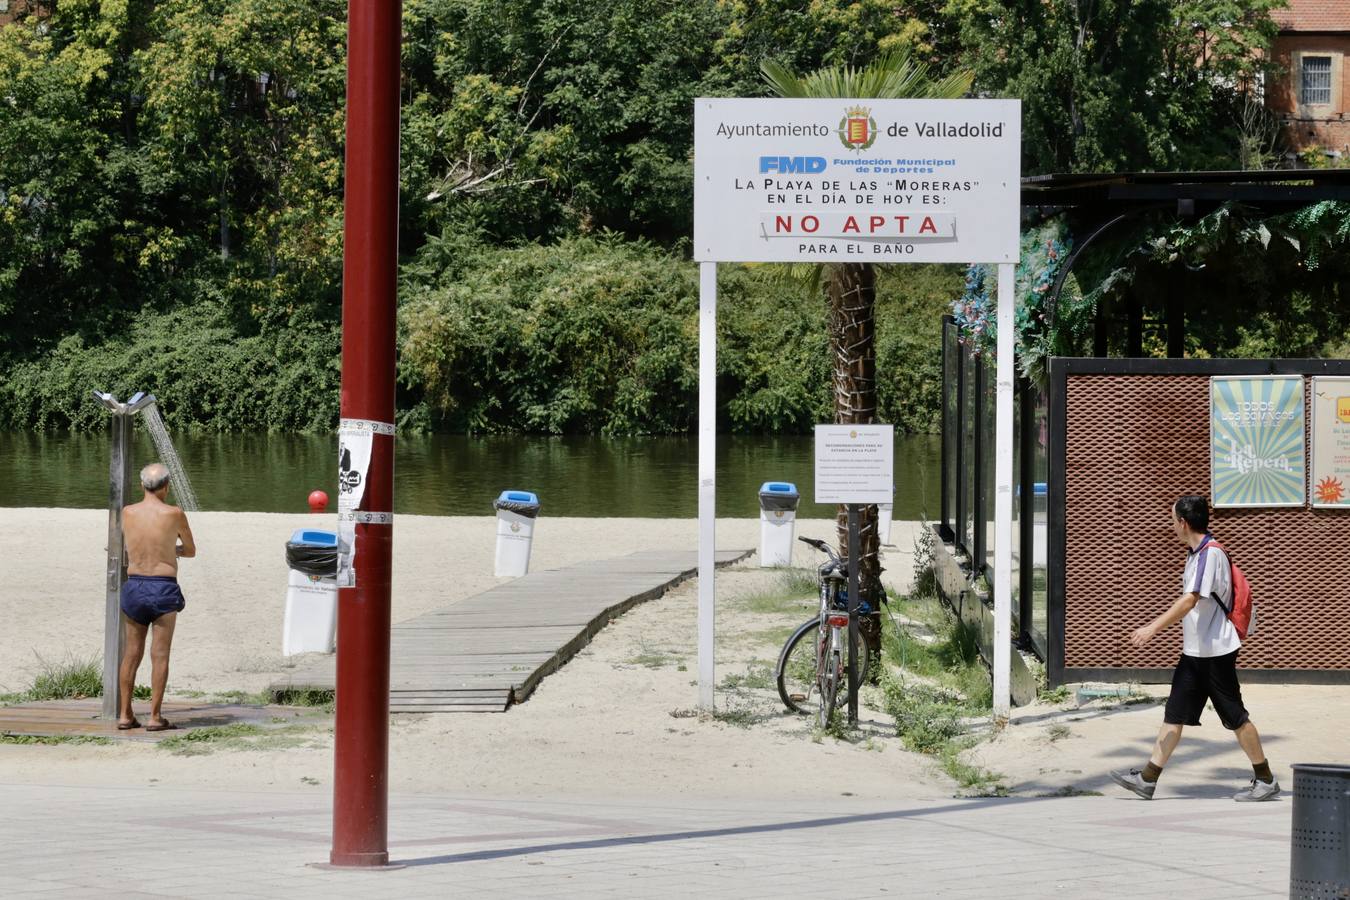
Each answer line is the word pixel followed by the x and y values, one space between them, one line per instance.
pixel 814 660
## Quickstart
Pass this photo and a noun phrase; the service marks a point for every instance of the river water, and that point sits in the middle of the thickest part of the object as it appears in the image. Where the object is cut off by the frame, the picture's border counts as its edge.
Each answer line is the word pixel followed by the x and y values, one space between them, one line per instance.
pixel 455 475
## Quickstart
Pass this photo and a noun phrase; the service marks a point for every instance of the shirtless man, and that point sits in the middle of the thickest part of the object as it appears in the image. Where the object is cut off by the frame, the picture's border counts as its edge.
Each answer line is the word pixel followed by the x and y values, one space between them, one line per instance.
pixel 156 534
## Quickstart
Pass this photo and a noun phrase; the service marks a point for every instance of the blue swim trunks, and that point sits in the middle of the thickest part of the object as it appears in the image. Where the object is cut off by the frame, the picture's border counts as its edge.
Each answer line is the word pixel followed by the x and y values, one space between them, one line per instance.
pixel 147 597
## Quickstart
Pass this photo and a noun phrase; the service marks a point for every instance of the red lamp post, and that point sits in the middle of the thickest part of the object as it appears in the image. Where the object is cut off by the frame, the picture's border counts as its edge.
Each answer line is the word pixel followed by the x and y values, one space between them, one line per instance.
pixel 369 278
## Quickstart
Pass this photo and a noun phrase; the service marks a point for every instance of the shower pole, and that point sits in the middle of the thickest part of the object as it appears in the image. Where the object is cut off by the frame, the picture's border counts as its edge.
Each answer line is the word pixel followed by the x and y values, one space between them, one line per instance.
pixel 369 283
pixel 119 431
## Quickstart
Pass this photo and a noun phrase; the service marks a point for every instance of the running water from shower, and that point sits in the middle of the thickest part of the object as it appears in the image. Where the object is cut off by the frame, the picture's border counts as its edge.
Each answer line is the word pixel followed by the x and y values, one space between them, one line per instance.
pixel 182 488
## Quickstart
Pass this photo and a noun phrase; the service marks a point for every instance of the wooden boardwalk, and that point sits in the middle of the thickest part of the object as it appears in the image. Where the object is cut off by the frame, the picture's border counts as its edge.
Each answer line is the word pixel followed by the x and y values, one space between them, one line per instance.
pixel 488 651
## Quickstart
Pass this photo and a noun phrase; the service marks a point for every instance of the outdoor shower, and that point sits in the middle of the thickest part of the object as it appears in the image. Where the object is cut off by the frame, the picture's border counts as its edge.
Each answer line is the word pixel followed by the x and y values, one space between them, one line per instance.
pixel 118 472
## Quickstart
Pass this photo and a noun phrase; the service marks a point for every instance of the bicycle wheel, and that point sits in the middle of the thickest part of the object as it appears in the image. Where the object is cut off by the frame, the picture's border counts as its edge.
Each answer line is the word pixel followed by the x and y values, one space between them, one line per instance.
pixel 832 673
pixel 796 670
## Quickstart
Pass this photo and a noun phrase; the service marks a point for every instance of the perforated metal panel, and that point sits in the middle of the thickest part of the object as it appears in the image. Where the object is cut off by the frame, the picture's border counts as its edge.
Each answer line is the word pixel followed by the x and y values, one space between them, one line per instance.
pixel 1133 444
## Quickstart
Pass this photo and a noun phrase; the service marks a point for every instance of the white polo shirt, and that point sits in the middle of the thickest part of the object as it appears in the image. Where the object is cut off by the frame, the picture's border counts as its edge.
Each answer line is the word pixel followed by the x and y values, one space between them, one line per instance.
pixel 1206 630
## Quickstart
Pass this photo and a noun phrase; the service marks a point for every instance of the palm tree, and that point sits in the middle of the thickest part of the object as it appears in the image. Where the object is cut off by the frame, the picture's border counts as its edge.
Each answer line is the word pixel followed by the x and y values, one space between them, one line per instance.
pixel 851 287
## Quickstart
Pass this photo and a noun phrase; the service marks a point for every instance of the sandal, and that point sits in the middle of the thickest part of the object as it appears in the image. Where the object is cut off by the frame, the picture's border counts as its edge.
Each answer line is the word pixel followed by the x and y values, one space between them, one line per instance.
pixel 165 725
pixel 127 726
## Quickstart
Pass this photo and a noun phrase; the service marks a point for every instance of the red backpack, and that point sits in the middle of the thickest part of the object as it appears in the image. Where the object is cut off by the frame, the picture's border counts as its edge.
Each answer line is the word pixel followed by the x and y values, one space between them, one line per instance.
pixel 1243 612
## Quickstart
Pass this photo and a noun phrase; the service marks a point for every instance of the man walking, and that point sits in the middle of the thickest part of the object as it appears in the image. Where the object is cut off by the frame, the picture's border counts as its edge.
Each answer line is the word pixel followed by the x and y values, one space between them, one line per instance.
pixel 1207 669
pixel 156 535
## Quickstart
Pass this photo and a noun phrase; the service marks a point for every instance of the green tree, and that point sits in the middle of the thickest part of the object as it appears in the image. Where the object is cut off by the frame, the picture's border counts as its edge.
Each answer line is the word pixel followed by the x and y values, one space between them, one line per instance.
pixel 1120 85
pixel 851 287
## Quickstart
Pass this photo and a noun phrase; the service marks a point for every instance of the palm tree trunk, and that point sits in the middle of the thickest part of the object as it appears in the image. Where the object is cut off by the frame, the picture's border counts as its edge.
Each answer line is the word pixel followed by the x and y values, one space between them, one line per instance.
pixel 852 292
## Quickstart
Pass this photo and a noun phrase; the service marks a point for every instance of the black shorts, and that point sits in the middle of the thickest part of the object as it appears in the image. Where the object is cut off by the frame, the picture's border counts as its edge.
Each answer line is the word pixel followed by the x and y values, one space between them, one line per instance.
pixel 1200 678
pixel 147 597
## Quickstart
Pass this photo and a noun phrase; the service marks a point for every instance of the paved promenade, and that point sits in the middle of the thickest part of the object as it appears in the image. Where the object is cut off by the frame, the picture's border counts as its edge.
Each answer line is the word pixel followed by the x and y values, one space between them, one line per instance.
pixel 165 842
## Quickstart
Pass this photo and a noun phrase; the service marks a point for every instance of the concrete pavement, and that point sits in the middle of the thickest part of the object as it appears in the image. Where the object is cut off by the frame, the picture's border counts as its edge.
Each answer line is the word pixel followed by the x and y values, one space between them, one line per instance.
pixel 161 841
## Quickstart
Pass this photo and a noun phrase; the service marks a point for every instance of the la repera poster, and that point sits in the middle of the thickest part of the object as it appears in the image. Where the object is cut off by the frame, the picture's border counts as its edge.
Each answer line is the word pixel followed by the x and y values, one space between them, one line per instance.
pixel 1257 437
pixel 1331 440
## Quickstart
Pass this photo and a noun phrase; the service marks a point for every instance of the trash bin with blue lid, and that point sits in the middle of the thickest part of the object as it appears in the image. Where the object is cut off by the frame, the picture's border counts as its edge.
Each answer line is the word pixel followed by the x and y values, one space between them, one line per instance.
pixel 777 522
pixel 516 513
pixel 310 621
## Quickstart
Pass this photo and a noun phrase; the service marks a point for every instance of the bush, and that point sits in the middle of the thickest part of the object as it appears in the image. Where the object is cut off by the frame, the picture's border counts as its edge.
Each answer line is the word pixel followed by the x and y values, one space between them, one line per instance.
pixel 200 368
pixel 926 718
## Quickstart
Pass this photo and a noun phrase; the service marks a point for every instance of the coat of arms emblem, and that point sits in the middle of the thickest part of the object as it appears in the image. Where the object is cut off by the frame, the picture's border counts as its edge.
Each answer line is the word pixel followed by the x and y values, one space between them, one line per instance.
pixel 857 129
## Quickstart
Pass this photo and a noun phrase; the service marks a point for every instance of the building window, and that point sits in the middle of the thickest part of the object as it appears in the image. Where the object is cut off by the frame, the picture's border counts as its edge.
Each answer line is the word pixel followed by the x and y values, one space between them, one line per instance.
pixel 1316 81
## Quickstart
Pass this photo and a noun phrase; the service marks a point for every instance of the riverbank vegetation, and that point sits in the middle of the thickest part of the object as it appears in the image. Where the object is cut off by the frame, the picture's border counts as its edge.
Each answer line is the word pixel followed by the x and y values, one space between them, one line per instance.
pixel 171 199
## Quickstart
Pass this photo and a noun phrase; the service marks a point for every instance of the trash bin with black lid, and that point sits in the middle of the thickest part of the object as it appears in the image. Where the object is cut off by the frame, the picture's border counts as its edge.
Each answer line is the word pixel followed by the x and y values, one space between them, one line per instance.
pixel 1319 851
pixel 777 522
pixel 310 622
pixel 516 513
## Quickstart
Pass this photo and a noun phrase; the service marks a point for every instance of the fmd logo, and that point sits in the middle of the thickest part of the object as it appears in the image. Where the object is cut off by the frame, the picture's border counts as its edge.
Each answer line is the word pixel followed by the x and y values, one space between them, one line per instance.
pixel 791 165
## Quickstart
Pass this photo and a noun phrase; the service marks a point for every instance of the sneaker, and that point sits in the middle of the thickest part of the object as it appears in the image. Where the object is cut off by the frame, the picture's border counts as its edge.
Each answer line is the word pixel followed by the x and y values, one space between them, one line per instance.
pixel 1133 780
pixel 1257 791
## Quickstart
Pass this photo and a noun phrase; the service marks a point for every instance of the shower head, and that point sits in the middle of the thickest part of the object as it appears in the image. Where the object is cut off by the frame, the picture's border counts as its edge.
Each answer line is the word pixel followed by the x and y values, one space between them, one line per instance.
pixel 139 401
pixel 109 401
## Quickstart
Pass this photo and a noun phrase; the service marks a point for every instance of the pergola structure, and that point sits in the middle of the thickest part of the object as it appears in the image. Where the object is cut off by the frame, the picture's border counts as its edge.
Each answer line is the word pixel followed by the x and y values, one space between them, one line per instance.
pixel 1104 204
pixel 1100 207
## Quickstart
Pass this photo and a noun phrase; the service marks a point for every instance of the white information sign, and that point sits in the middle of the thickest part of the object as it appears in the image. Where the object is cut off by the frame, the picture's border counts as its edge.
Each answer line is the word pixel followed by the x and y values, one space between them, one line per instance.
pixel 878 181
pixel 855 463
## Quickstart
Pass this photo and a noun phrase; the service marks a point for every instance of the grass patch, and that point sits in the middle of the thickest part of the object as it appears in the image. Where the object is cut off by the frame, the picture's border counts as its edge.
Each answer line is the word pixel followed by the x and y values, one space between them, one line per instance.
pixel 71 679
pixel 312 698
pixel 1058 695
pixel 926 718
pixel 739 716
pixel 651 659
pixel 931 720
pixel 49 739
pixel 794 590
pixel 974 781
pixel 757 677
pixel 1058 732
pixel 774 637
pixel 952 659
pixel 238 736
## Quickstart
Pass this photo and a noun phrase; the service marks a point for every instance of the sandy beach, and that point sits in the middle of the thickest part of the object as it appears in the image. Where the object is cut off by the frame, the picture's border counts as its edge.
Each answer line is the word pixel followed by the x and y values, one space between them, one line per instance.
pixel 617 720
pixel 229 636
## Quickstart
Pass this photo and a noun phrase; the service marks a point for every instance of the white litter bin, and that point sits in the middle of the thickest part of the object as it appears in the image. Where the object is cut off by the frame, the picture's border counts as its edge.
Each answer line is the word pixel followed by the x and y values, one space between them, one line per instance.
pixel 310 621
pixel 884 521
pixel 777 522
pixel 516 512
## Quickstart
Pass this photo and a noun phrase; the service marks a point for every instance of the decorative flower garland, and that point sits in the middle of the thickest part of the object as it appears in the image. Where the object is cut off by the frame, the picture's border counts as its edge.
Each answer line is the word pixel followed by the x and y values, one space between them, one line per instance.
pixel 1044 250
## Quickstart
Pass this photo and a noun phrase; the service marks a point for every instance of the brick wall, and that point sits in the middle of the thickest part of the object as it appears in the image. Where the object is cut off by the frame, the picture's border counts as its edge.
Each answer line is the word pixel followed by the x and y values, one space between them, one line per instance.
pixel 1133 444
pixel 1325 127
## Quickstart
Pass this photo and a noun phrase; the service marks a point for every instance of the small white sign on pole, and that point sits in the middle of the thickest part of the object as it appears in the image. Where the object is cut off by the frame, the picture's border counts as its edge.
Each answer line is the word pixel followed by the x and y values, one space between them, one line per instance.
pixel 856 181
pixel 855 463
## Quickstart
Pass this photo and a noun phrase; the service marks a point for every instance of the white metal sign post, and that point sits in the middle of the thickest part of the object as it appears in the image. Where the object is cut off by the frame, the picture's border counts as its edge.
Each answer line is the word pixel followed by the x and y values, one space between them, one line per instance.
pixel 855 181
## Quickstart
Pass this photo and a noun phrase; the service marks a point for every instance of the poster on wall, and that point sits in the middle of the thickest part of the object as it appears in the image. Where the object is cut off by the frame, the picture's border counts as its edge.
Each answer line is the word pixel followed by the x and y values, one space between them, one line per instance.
pixel 1256 437
pixel 1330 467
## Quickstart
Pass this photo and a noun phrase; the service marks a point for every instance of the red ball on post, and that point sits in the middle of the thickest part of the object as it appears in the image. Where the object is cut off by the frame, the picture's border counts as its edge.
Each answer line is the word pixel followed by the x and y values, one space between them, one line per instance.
pixel 318 501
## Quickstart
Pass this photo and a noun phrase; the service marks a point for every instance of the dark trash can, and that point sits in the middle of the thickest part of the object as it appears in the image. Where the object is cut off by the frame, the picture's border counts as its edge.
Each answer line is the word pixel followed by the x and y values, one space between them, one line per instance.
pixel 1319 860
